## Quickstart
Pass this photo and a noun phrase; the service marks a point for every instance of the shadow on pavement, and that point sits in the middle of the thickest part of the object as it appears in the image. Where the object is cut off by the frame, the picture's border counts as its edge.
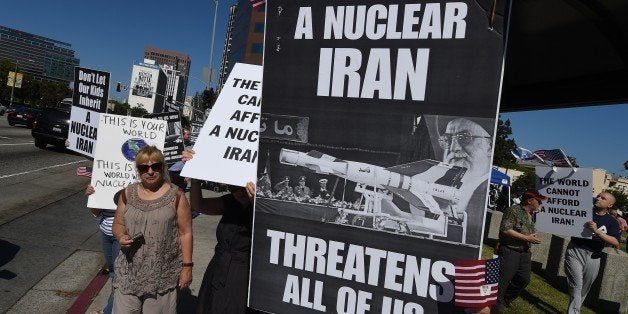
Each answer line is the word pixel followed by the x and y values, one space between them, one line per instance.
pixel 8 251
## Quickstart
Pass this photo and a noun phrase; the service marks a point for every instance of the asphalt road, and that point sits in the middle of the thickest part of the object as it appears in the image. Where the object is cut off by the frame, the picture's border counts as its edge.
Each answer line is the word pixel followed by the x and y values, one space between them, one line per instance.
pixel 43 219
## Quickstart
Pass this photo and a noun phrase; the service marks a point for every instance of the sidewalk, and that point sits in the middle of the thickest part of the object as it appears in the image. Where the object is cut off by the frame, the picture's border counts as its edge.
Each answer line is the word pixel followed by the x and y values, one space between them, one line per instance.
pixel 77 285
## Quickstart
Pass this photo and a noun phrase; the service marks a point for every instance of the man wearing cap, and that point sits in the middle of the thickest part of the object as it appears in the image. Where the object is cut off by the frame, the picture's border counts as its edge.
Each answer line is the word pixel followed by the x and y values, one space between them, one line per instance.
pixel 582 259
pixel 322 190
pixel 516 234
pixel 302 191
pixel 467 144
pixel 284 190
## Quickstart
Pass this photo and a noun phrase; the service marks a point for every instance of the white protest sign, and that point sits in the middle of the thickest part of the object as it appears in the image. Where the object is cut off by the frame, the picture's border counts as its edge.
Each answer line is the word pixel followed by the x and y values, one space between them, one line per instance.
pixel 121 137
pixel 88 100
pixel 226 148
pixel 569 203
pixel 83 130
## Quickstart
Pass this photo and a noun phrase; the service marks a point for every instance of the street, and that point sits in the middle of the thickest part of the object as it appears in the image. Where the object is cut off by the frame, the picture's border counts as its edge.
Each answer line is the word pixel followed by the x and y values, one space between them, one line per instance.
pixel 50 246
pixel 39 224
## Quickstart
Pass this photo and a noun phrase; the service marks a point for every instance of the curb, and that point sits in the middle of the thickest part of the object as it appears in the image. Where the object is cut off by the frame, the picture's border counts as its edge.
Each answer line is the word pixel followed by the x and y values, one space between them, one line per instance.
pixel 85 299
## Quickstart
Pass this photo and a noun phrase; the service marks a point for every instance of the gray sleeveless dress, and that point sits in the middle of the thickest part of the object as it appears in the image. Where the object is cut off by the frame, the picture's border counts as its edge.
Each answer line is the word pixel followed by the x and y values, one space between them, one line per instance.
pixel 154 267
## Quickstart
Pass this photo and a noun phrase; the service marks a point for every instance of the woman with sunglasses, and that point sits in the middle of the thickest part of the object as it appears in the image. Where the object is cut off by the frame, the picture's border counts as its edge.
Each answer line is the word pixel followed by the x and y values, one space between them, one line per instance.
pixel 153 225
pixel 225 283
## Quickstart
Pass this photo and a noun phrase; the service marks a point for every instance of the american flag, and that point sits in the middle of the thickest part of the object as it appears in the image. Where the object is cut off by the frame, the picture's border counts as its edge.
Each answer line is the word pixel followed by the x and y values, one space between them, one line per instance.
pixel 475 284
pixel 554 157
pixel 84 171
pixel 256 3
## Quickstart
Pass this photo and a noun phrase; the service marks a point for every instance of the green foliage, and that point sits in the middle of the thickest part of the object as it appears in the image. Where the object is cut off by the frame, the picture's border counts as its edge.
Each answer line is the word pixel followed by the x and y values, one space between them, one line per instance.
pixel 209 97
pixel 138 112
pixel 121 108
pixel 540 296
pixel 621 200
pixel 504 145
pixel 526 181
pixel 573 162
pixel 36 92
pixel 626 165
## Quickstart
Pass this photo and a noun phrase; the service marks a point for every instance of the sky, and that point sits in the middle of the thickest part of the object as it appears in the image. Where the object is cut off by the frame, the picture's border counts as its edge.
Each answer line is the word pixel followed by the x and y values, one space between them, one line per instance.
pixel 594 135
pixel 111 35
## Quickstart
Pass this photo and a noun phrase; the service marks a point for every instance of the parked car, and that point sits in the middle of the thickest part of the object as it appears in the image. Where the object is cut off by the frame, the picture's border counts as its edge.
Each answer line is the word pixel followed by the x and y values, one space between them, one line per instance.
pixel 51 126
pixel 3 109
pixel 22 115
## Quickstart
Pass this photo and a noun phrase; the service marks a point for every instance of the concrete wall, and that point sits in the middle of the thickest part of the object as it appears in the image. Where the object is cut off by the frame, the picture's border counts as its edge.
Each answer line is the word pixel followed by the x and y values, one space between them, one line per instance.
pixel 609 292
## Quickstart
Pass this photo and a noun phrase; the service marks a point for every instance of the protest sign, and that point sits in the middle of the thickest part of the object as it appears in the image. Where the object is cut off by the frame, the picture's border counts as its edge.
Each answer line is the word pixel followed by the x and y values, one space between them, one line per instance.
pixel 90 97
pixel 569 204
pixel 226 148
pixel 368 211
pixel 174 139
pixel 114 161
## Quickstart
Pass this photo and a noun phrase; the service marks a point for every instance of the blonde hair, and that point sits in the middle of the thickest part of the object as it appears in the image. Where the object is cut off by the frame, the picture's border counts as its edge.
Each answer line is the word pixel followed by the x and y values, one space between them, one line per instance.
pixel 152 153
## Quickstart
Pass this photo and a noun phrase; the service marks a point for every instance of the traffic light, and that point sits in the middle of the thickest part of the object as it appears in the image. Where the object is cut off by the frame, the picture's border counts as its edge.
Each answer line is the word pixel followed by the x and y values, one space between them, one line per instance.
pixel 209 97
pixel 118 87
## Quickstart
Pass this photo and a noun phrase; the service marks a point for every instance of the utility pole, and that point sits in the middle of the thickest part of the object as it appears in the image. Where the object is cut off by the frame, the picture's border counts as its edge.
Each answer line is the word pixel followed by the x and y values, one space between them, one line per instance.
pixel 211 50
pixel 13 85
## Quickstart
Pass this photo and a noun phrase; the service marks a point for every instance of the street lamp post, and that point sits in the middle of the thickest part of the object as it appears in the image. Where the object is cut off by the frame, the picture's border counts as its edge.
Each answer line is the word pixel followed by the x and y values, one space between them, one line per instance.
pixel 211 50
pixel 14 79
pixel 13 85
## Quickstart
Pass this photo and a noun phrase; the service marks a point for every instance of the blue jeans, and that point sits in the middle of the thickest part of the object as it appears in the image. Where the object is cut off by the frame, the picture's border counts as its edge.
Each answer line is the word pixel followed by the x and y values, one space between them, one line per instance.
pixel 110 248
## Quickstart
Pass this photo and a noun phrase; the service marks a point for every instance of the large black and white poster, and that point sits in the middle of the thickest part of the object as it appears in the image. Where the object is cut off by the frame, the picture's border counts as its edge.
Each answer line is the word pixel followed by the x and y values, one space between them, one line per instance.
pixel 369 210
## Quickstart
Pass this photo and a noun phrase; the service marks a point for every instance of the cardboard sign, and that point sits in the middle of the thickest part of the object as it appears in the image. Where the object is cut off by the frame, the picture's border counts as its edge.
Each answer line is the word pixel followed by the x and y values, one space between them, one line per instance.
pixel 114 161
pixel 91 89
pixel 226 148
pixel 91 93
pixel 174 139
pixel 83 131
pixel 569 204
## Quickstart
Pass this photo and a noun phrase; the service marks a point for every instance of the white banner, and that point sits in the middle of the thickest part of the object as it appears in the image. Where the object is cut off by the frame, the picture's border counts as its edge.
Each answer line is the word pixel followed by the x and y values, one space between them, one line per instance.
pixel 226 148
pixel 83 131
pixel 569 202
pixel 114 161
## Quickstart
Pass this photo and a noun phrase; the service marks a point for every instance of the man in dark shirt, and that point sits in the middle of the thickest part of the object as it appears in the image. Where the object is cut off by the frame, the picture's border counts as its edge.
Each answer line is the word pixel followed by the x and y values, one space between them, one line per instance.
pixel 582 259
pixel 516 233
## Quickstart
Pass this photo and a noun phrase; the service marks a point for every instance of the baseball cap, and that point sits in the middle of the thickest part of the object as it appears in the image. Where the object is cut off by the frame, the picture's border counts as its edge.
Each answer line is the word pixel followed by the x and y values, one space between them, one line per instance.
pixel 533 194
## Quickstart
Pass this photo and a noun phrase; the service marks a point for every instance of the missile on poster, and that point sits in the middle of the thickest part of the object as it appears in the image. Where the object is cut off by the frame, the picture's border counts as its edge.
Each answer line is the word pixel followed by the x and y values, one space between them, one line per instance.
pixel 417 183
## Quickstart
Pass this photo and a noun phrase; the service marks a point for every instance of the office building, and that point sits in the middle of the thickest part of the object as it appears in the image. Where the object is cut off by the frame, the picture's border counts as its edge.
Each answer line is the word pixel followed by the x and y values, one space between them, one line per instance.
pixel 148 87
pixel 247 39
pixel 177 60
pixel 175 92
pixel 224 63
pixel 43 58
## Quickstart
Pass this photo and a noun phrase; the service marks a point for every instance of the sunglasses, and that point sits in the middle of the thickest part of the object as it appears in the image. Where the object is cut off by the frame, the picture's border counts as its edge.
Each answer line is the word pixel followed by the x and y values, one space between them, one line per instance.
pixel 157 167
pixel 463 138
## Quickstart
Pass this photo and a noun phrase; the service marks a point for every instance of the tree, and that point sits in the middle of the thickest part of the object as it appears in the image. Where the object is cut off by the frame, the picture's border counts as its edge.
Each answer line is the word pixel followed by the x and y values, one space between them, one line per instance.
pixel 626 165
pixel 209 97
pixel 621 200
pixel 525 181
pixel 573 162
pixel 504 145
pixel 138 112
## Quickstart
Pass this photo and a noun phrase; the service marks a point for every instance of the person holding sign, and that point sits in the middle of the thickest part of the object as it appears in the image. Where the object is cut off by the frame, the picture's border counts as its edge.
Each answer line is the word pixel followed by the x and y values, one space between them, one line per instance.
pixel 225 283
pixel 516 234
pixel 153 225
pixel 582 259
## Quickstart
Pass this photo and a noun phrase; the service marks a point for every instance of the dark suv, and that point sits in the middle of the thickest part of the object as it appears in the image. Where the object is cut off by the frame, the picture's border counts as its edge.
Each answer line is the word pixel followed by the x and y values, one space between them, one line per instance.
pixel 51 125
